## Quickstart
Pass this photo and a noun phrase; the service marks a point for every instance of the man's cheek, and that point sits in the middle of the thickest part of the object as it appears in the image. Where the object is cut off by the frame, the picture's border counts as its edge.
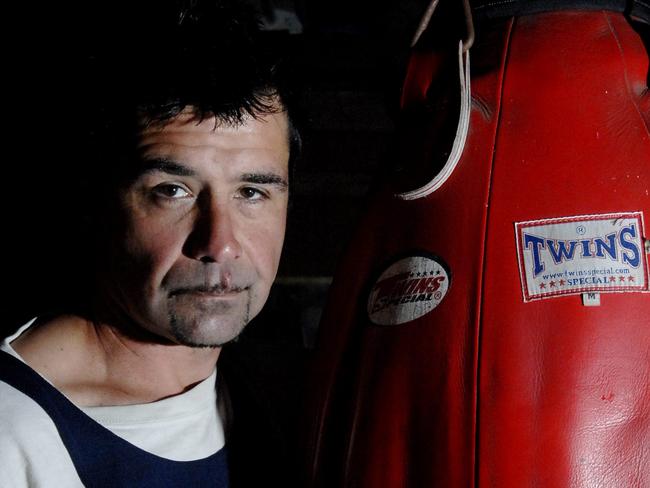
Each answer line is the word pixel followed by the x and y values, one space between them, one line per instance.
pixel 150 240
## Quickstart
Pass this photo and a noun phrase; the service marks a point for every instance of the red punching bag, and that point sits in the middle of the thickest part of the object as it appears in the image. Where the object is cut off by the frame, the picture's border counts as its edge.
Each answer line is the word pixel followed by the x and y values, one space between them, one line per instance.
pixel 490 325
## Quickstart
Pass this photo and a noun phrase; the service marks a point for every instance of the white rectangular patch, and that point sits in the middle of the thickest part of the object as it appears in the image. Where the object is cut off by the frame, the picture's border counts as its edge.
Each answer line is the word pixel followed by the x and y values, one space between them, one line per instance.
pixel 591 299
pixel 586 253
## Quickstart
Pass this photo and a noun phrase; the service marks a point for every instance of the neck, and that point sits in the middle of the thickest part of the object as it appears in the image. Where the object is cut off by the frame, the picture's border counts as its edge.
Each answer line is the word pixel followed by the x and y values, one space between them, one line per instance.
pixel 157 367
pixel 100 363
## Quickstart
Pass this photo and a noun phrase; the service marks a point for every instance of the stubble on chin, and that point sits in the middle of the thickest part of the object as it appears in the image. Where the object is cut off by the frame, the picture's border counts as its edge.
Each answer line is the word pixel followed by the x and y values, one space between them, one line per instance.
pixel 211 324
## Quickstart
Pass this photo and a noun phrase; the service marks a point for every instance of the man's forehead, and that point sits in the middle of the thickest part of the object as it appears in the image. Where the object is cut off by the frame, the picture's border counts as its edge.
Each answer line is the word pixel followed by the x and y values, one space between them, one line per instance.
pixel 191 119
pixel 189 146
pixel 191 129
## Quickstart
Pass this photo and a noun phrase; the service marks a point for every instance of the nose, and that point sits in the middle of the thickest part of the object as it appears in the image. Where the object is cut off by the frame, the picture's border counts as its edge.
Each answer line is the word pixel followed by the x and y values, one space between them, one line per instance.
pixel 213 238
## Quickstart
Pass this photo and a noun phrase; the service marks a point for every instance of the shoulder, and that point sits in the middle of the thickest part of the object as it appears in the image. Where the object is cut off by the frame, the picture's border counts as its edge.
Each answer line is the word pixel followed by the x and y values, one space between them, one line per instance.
pixel 57 349
pixel 31 450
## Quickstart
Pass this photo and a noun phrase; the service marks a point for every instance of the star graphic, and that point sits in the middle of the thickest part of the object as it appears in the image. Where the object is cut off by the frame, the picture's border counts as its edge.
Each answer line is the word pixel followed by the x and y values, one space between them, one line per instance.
pixel 612 278
pixel 419 274
pixel 542 285
pixel 562 282
pixel 630 278
pixel 431 273
pixel 552 283
pixel 621 278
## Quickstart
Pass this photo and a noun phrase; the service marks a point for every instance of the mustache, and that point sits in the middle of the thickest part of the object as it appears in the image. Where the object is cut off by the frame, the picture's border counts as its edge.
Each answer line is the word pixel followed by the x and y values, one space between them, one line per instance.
pixel 213 279
pixel 215 289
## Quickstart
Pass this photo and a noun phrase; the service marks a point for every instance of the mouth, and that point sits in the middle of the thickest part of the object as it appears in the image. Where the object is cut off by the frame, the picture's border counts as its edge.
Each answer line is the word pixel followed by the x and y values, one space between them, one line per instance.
pixel 215 292
pixel 221 295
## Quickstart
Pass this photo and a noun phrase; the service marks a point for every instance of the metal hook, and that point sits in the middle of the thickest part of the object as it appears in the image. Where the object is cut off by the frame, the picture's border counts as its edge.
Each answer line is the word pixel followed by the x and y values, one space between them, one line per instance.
pixel 424 22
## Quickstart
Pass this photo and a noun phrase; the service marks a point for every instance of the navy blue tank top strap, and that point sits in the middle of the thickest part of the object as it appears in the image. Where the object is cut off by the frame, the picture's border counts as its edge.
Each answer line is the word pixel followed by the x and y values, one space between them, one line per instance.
pixel 101 458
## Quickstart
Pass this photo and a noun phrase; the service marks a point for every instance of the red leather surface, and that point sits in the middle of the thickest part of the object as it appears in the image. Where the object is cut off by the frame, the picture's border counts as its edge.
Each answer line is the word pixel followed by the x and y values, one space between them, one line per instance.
pixel 486 390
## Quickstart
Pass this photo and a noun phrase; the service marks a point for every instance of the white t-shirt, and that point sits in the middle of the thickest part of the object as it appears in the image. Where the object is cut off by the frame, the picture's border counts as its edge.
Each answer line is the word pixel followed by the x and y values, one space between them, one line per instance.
pixel 180 428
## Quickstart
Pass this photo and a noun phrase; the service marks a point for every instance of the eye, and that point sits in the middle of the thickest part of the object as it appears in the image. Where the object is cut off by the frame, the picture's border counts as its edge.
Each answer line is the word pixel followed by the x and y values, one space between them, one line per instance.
pixel 171 191
pixel 251 193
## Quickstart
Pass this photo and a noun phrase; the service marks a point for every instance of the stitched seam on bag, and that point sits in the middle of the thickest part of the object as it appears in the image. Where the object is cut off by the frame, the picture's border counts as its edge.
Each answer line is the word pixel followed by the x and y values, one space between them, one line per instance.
pixel 479 332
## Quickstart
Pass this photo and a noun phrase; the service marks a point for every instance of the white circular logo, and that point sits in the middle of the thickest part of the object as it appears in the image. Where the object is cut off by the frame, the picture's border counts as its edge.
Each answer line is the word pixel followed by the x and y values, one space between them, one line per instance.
pixel 407 290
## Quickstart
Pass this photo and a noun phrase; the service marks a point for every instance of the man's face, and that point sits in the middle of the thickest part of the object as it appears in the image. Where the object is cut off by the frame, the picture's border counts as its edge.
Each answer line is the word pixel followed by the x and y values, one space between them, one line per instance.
pixel 202 227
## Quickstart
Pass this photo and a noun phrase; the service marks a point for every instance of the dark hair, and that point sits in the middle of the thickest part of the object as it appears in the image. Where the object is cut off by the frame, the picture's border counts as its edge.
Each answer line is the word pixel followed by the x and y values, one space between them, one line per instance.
pixel 208 56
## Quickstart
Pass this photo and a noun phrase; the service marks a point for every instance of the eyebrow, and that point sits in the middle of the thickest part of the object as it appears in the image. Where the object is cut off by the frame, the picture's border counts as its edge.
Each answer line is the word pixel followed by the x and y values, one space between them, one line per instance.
pixel 265 179
pixel 149 165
